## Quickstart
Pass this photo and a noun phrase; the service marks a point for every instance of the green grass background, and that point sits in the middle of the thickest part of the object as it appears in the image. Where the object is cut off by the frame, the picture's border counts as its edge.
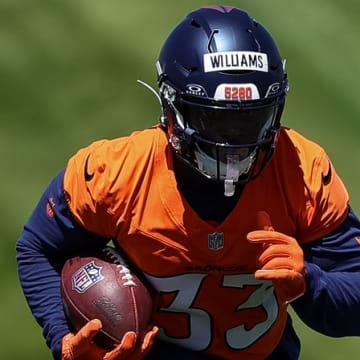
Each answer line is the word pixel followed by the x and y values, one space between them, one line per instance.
pixel 68 72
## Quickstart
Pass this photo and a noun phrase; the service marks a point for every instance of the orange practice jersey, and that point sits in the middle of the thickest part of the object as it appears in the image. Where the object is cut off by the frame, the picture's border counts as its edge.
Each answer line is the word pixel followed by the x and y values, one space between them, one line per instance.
pixel 207 297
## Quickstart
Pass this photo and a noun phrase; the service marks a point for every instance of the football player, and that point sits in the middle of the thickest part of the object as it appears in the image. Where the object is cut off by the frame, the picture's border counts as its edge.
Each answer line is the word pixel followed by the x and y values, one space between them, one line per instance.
pixel 230 216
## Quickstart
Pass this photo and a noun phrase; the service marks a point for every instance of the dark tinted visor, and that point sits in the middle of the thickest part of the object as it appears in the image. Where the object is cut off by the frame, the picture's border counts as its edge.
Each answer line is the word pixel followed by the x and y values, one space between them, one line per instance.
pixel 228 126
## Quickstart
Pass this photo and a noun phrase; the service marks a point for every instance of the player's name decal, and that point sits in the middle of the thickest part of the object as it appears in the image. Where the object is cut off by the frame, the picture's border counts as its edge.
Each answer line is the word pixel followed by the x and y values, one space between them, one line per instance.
pixel 236 60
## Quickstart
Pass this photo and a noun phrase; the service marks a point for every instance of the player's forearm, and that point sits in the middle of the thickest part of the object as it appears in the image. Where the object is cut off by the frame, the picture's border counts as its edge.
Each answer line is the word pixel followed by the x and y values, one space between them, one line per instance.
pixel 51 235
pixel 331 304
pixel 40 283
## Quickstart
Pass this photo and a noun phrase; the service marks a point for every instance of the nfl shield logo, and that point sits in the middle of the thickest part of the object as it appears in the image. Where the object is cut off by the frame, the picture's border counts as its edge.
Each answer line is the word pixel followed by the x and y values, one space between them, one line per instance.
pixel 87 276
pixel 216 241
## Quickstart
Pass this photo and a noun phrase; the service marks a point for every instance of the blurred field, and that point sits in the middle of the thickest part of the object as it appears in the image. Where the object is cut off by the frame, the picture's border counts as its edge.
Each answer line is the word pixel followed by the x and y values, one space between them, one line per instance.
pixel 68 72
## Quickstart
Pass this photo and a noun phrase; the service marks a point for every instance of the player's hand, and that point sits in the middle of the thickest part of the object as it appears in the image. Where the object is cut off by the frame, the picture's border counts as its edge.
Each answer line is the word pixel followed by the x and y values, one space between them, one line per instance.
pixel 80 346
pixel 129 349
pixel 281 260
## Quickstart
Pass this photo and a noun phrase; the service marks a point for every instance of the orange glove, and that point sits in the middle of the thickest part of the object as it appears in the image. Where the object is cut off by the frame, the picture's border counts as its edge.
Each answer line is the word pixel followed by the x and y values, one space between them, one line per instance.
pixel 80 346
pixel 281 260
pixel 127 350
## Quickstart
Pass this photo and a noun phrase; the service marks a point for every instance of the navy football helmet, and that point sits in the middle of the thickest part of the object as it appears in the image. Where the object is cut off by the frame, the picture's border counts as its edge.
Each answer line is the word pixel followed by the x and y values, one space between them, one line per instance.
pixel 222 85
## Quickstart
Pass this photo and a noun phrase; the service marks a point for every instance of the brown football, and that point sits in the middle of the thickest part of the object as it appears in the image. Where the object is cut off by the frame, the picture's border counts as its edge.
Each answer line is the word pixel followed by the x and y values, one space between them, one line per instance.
pixel 100 285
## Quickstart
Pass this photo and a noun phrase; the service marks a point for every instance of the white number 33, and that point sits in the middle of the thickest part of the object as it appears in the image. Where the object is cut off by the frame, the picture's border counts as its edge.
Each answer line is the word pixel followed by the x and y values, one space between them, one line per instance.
pixel 187 287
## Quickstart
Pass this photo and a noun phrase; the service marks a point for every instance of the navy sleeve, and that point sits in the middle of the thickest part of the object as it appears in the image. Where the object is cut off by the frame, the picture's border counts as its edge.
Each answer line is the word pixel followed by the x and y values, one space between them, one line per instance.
pixel 331 304
pixel 50 236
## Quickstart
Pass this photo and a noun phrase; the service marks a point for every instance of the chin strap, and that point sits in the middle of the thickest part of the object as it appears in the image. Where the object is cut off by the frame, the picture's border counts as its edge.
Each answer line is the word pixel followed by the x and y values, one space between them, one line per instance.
pixel 149 87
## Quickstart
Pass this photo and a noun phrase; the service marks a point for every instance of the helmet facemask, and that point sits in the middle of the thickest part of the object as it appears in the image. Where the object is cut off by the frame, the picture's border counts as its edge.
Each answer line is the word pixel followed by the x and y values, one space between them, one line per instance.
pixel 221 142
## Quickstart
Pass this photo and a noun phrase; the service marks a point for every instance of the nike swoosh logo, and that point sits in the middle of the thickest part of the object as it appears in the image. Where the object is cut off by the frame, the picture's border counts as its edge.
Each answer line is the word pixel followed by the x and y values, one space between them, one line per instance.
pixel 326 178
pixel 88 176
